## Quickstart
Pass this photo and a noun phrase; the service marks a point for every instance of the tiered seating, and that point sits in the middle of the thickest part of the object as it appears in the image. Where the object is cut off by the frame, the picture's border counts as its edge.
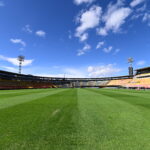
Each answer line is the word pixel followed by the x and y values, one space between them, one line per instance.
pixel 14 84
pixel 91 83
pixel 139 82
pixel 102 83
pixel 121 82
pixel 131 83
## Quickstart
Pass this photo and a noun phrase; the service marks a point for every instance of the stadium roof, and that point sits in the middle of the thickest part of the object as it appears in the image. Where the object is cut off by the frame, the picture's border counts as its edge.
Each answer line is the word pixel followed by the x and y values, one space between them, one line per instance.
pixel 141 69
pixel 24 76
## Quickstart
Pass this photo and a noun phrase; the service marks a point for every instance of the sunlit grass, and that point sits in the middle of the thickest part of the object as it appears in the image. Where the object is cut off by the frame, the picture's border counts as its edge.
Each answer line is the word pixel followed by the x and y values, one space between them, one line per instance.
pixel 79 119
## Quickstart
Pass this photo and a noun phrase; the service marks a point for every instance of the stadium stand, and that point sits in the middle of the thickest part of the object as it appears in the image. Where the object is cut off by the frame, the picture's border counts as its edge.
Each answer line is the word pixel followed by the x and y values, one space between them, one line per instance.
pixel 131 83
pixel 13 84
pixel 121 82
pixel 10 80
pixel 139 83
pixel 140 80
pixel 142 70
pixel 146 75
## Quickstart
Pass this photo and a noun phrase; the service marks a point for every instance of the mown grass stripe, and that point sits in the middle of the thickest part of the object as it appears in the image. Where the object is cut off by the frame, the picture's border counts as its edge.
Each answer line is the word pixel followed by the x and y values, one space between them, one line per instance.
pixel 112 124
pixel 76 119
pixel 136 100
pixel 15 100
pixel 21 93
pixel 127 92
pixel 37 127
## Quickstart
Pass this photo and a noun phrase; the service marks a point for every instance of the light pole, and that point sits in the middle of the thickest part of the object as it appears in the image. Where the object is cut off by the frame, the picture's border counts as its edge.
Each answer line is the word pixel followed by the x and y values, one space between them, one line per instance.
pixel 20 59
pixel 130 61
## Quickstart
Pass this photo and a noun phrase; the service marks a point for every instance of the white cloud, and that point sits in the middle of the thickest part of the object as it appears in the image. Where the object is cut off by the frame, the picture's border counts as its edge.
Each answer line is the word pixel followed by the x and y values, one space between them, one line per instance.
pixel 15 61
pixel 117 18
pixel 102 31
pixel 79 72
pixel 142 8
pixel 55 75
pixel 88 19
pixel 103 71
pixel 114 18
pixel 140 12
pixel 40 33
pixel 74 73
pixel 67 73
pixel 146 18
pixel 18 41
pixel 108 50
pixel 27 28
pixel 11 69
pixel 78 2
pixel 2 4
pixel 83 37
pixel 134 3
pixel 61 75
pixel 116 51
pixel 141 62
pixel 100 44
pixel 86 48
pixel 137 15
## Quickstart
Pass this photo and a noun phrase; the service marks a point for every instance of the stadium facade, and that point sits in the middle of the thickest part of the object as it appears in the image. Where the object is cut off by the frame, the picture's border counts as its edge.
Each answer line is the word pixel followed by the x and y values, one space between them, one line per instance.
pixel 10 80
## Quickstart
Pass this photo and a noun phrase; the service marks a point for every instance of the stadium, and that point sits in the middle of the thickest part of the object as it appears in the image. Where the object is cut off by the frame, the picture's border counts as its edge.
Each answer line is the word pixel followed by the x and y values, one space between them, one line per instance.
pixel 74 75
pixel 62 113
pixel 10 80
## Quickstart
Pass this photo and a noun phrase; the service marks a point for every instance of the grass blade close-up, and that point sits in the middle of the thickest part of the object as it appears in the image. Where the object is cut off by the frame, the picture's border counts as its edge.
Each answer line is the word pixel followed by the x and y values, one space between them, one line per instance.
pixel 78 119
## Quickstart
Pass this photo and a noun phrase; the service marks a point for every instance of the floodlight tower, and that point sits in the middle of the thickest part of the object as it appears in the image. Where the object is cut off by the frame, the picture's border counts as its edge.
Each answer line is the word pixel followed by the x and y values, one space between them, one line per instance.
pixel 130 61
pixel 20 59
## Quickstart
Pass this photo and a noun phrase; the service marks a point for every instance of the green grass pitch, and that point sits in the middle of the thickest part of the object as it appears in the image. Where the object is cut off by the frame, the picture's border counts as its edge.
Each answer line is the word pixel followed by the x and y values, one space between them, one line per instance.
pixel 74 119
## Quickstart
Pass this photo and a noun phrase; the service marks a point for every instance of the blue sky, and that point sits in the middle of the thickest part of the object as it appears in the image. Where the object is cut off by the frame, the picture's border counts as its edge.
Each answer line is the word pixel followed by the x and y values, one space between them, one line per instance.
pixel 78 38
